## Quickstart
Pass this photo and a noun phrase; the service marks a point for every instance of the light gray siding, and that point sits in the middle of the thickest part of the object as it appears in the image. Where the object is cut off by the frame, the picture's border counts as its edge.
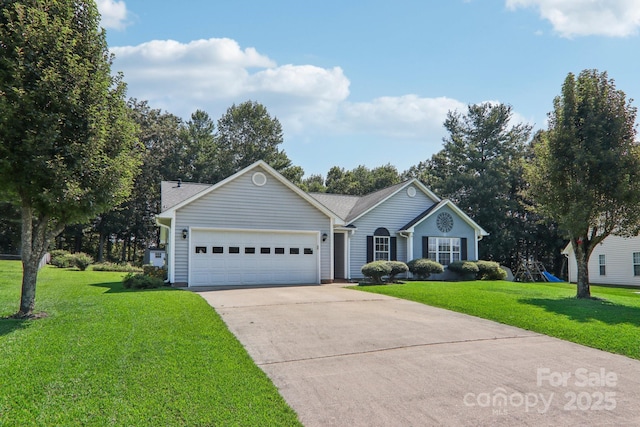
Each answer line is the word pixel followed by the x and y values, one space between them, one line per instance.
pixel 460 230
pixel 618 252
pixel 393 214
pixel 239 204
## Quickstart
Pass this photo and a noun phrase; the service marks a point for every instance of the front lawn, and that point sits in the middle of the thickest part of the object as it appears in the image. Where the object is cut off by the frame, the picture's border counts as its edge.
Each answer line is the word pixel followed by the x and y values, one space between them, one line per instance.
pixel 110 356
pixel 549 308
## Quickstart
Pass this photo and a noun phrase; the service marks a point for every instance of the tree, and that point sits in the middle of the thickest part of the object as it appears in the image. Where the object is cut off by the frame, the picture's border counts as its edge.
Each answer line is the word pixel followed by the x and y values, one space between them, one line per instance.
pixel 585 174
pixel 361 180
pixel 247 133
pixel 480 169
pixel 68 148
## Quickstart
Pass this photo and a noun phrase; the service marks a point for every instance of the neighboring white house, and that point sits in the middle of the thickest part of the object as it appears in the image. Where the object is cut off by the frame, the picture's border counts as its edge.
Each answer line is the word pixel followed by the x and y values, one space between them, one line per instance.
pixel 615 261
pixel 257 228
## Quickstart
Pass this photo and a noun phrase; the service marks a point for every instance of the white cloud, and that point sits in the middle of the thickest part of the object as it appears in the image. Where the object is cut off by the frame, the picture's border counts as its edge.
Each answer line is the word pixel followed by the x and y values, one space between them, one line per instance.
pixel 402 116
pixel 614 18
pixel 310 101
pixel 114 13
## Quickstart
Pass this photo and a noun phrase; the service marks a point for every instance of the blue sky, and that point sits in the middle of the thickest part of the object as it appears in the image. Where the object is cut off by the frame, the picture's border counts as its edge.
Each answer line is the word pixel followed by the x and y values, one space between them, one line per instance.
pixel 370 82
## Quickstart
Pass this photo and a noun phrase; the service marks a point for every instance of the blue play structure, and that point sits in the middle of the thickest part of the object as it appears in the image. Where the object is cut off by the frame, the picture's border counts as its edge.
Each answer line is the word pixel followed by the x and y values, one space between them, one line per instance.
pixel 550 277
pixel 533 271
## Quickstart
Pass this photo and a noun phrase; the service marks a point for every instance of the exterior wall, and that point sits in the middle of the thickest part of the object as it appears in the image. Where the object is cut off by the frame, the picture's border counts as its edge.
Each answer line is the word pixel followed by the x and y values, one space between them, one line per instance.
pixel 240 204
pixel 394 213
pixel 618 252
pixel 460 229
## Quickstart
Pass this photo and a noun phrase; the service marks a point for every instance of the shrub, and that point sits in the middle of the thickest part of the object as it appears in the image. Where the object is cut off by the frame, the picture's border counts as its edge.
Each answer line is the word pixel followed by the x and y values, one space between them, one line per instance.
pixel 490 270
pixel 376 270
pixel 110 266
pixel 467 269
pixel 422 268
pixel 153 271
pixel 61 258
pixel 81 260
pixel 140 281
pixel 397 267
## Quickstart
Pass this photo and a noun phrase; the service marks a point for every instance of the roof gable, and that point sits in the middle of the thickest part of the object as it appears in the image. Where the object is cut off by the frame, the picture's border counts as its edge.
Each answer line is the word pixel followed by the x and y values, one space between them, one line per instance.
pixel 435 208
pixel 173 194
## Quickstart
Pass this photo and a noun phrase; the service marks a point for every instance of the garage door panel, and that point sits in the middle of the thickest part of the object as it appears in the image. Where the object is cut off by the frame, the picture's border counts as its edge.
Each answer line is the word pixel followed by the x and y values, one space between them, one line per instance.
pixel 278 258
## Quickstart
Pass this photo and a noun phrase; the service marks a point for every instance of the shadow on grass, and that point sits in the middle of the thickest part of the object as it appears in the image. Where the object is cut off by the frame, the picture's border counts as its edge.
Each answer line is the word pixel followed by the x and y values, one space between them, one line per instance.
pixel 582 310
pixel 117 288
pixel 9 325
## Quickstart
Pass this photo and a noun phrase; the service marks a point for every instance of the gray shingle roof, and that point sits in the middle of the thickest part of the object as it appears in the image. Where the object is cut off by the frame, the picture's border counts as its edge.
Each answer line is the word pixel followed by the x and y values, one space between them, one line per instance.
pixel 350 207
pixel 173 193
pixel 339 204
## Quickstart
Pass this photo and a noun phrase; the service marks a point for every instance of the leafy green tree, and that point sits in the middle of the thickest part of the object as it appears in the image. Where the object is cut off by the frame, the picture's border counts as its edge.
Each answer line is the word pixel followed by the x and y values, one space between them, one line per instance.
pixel 313 184
pixel 68 142
pixel 198 139
pixel 585 175
pixel 361 180
pixel 247 133
pixel 480 169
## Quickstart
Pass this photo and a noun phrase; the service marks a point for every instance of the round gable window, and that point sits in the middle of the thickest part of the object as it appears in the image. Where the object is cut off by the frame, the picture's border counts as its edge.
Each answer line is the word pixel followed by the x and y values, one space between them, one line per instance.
pixel 259 179
pixel 411 191
pixel 444 222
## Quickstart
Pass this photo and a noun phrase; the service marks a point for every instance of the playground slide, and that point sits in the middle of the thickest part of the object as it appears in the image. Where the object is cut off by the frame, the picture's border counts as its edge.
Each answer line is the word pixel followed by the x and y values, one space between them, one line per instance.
pixel 550 277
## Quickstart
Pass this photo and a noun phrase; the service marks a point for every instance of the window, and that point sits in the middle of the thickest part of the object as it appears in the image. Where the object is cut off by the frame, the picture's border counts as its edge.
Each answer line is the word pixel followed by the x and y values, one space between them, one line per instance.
pixel 217 250
pixel 249 250
pixel 602 263
pixel 636 263
pixel 265 250
pixel 279 251
pixel 381 245
pixel 201 249
pixel 234 250
pixel 444 250
pixel 308 251
pixel 381 248
pixel 294 251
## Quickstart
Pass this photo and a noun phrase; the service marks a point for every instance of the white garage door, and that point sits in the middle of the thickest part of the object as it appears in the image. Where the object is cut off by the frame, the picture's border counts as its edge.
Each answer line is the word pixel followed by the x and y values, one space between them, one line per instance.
pixel 223 258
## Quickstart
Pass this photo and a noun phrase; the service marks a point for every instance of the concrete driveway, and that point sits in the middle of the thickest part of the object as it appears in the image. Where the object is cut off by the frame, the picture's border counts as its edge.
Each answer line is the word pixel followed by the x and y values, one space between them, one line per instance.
pixel 342 357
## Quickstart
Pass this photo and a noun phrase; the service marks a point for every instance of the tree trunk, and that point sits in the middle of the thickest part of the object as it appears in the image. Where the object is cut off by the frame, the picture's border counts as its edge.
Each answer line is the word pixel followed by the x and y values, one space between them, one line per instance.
pixel 101 239
pixel 37 233
pixel 581 249
pixel 33 249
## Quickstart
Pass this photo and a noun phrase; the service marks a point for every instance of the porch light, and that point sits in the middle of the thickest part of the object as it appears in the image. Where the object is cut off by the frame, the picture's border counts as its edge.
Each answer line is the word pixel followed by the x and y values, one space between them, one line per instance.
pixel 324 237
pixel 185 233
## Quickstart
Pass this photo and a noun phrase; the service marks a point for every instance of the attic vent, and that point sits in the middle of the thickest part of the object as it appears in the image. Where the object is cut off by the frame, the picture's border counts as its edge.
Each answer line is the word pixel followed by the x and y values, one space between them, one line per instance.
pixel 411 192
pixel 259 179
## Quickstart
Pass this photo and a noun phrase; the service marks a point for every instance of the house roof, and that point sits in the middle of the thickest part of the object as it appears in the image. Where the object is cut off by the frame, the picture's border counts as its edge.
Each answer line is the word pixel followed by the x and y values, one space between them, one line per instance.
pixel 350 208
pixel 173 193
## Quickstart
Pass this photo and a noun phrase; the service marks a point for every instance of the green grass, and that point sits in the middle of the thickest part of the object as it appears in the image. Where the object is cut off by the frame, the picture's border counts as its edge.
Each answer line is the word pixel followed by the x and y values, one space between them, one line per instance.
pixel 611 324
pixel 108 356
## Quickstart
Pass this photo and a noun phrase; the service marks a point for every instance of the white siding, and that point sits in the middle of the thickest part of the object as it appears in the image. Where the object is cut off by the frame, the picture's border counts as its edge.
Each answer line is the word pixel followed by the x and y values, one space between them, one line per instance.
pixel 618 253
pixel 394 213
pixel 239 204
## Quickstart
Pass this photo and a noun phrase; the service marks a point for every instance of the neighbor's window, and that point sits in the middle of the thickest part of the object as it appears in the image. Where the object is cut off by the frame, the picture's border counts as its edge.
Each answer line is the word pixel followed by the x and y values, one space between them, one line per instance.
pixel 603 264
pixel 444 250
pixel 636 263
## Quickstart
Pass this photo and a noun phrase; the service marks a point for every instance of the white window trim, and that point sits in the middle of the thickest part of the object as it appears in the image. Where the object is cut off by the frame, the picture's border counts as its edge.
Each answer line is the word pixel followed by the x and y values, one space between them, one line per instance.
pixel 436 256
pixel 381 255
